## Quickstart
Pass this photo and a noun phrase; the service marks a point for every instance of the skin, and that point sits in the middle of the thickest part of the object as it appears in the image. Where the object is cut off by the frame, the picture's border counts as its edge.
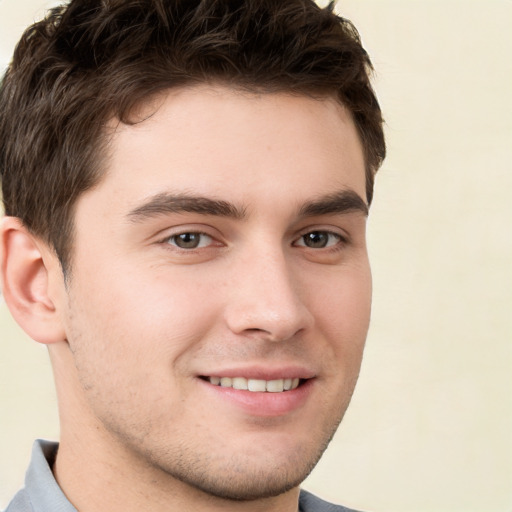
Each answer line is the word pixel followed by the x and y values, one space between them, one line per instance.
pixel 141 321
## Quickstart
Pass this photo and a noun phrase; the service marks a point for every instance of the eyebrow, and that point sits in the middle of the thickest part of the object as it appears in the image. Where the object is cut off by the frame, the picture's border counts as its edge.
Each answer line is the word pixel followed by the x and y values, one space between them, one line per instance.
pixel 341 202
pixel 165 203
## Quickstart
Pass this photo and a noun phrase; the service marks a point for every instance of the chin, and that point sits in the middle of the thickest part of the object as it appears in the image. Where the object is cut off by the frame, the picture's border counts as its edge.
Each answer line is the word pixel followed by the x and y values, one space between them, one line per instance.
pixel 243 484
pixel 250 474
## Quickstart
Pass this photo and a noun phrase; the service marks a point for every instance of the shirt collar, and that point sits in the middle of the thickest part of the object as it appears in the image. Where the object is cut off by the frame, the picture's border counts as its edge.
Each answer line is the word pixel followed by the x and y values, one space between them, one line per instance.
pixel 40 484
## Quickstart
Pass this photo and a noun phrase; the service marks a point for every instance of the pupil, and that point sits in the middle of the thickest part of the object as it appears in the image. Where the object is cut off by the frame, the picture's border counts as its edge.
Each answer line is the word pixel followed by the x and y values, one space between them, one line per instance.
pixel 316 239
pixel 187 240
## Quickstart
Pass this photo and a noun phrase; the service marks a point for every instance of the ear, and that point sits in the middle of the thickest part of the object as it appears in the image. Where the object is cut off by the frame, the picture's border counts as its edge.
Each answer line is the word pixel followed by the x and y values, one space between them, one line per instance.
pixel 25 263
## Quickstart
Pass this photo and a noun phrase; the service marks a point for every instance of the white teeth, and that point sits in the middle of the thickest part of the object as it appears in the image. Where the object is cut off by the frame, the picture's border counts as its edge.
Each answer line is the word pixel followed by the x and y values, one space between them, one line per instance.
pixel 226 382
pixel 255 385
pixel 275 386
pixel 239 383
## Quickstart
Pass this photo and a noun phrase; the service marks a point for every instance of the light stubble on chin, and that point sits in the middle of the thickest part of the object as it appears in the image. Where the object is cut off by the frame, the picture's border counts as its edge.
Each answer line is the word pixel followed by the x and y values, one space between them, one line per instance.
pixel 240 478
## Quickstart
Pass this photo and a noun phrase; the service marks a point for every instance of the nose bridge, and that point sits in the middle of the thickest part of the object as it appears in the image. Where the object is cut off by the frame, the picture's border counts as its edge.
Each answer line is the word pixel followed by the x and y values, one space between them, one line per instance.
pixel 267 301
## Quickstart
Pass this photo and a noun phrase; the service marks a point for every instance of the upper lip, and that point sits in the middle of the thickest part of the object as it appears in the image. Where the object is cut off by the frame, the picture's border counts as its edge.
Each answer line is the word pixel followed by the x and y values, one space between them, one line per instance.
pixel 261 372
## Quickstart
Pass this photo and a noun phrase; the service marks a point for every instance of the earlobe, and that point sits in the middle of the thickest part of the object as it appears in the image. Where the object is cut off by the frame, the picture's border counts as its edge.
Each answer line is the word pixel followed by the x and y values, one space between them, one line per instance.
pixel 25 282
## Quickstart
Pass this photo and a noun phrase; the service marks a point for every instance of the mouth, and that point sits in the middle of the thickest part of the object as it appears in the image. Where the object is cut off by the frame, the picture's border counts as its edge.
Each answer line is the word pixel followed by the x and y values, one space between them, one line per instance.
pixel 261 392
pixel 256 385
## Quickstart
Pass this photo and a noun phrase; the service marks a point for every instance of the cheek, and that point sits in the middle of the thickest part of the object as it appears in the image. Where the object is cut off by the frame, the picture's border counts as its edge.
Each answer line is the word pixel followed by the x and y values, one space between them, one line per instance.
pixel 344 301
pixel 342 312
pixel 128 319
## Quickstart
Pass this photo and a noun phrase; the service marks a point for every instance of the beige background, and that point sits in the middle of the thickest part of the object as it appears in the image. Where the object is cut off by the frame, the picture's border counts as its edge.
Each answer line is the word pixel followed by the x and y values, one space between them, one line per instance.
pixel 430 426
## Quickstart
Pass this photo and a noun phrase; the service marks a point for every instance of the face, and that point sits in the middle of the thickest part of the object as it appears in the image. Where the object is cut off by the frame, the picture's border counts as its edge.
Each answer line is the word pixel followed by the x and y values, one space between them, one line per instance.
pixel 219 297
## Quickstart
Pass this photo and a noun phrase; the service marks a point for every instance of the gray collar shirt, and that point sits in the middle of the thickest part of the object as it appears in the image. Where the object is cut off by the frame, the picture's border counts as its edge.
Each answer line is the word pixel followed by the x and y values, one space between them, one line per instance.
pixel 41 492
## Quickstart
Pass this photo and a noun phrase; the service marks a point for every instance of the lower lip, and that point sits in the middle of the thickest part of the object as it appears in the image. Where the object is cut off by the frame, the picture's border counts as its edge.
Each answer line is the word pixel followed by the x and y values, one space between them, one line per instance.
pixel 263 404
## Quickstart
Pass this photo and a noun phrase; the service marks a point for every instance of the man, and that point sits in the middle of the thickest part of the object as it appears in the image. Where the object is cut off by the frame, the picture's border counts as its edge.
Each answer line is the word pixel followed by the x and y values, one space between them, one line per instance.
pixel 186 186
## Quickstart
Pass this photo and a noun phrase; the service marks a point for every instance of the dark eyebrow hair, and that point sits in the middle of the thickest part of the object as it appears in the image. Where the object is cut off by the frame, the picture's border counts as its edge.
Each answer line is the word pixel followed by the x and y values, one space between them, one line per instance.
pixel 165 203
pixel 344 201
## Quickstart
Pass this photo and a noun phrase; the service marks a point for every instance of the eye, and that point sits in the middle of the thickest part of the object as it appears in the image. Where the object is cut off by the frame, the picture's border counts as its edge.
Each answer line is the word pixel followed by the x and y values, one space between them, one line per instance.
pixel 319 240
pixel 190 240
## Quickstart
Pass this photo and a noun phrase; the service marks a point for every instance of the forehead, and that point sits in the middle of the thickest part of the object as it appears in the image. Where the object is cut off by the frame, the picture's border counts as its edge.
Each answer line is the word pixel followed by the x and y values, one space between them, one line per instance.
pixel 234 145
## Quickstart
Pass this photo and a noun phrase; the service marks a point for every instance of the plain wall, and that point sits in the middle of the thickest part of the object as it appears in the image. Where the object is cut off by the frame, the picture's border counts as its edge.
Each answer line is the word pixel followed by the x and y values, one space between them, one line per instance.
pixel 430 425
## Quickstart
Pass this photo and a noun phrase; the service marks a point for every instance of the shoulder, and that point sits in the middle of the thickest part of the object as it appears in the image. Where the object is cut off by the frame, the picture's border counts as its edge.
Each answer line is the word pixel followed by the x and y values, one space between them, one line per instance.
pixel 310 503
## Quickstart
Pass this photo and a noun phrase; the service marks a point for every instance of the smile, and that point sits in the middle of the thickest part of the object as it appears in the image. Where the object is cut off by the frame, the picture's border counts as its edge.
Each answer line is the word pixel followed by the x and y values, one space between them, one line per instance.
pixel 255 385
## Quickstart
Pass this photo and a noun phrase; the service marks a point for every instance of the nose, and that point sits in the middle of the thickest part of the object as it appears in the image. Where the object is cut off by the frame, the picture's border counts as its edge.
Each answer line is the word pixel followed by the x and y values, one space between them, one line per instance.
pixel 265 299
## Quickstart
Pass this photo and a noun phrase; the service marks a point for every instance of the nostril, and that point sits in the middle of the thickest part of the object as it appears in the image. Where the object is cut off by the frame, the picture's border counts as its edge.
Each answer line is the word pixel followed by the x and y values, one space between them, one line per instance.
pixel 277 336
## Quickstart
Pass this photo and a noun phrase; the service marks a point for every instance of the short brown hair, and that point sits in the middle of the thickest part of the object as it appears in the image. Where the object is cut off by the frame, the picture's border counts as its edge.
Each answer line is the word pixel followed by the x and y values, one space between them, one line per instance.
pixel 94 60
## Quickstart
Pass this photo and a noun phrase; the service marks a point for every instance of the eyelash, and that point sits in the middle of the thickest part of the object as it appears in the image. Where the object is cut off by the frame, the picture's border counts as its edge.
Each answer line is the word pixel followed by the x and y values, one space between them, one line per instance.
pixel 340 240
pixel 171 238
